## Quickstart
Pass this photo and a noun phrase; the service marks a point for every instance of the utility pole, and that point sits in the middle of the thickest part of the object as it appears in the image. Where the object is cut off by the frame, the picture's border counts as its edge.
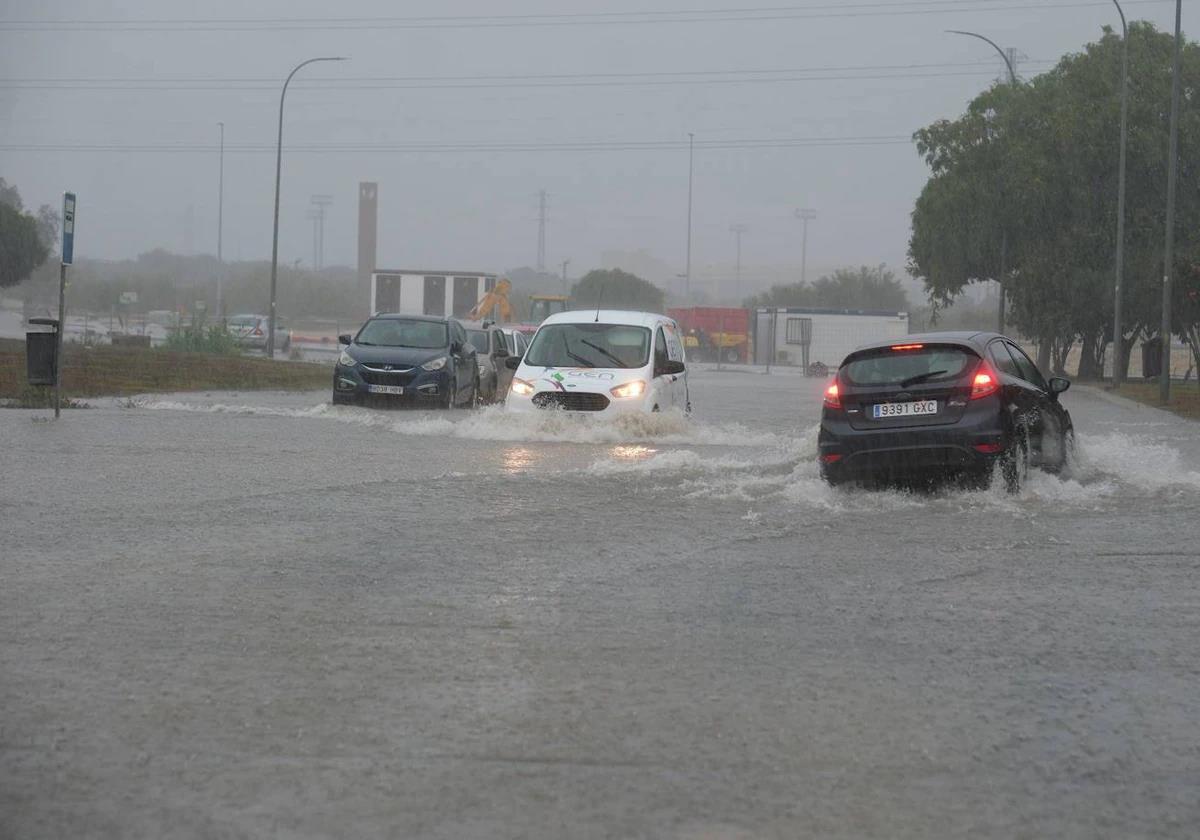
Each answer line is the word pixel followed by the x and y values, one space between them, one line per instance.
pixel 541 254
pixel 805 215
pixel 1164 375
pixel 737 231
pixel 320 202
pixel 313 214
pixel 220 222
pixel 687 275
pixel 1119 363
pixel 565 263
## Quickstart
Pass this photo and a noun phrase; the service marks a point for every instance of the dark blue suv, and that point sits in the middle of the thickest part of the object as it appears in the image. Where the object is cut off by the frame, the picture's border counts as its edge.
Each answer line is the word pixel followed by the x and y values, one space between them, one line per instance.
pixel 407 359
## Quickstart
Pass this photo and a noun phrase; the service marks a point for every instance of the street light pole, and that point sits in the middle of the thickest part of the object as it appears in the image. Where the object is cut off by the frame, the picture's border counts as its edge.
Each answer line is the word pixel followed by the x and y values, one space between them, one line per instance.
pixel 220 219
pixel 805 215
pixel 1164 374
pixel 688 270
pixel 275 229
pixel 1012 80
pixel 1119 363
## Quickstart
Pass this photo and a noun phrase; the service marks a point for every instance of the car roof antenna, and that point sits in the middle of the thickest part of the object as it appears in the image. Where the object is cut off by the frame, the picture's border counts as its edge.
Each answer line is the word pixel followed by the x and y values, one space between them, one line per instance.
pixel 599 297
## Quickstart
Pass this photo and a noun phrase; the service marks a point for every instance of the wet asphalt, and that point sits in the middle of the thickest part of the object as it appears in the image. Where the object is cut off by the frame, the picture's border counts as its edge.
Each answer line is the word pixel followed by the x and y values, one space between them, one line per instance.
pixel 256 615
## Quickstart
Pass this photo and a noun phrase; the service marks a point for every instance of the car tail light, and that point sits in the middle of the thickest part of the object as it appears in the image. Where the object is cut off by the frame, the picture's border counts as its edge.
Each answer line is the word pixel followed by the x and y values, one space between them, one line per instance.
pixel 985 383
pixel 258 331
pixel 989 448
pixel 831 458
pixel 832 398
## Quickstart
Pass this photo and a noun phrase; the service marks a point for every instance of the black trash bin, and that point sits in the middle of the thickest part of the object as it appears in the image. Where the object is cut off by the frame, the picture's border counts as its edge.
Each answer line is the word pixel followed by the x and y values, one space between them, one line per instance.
pixel 1151 359
pixel 41 353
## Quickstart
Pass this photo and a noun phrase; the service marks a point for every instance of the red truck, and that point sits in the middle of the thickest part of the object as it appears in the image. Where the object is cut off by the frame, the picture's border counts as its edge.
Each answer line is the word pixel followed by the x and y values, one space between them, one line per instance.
pixel 712 332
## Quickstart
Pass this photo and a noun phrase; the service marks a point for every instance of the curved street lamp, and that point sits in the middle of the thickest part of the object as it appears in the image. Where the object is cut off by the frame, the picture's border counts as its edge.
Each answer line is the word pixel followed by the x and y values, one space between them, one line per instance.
pixel 1012 80
pixel 275 231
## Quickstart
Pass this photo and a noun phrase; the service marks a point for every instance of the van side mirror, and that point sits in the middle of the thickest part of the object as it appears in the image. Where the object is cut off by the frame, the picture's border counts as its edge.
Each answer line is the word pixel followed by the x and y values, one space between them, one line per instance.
pixel 1058 385
pixel 673 367
pixel 512 362
pixel 344 338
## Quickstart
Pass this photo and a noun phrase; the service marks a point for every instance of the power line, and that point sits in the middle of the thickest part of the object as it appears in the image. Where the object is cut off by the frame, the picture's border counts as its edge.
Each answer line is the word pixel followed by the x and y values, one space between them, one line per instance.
pixel 766 14
pixel 318 81
pixel 460 148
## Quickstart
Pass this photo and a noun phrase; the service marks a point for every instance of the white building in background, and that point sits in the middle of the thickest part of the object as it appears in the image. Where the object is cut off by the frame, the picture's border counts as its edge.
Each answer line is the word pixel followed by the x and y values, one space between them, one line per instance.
pixel 412 292
pixel 799 336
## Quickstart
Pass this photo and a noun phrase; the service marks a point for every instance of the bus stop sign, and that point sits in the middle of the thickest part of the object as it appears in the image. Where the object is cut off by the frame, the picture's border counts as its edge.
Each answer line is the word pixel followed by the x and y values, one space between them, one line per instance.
pixel 68 240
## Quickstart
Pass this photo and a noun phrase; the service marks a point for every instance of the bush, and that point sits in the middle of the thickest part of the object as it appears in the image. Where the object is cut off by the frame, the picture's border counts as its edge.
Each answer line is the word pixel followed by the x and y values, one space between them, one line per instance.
pixel 199 339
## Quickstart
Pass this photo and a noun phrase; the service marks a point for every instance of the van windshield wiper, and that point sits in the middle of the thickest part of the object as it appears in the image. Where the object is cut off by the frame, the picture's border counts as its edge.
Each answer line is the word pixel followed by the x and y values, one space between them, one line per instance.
pixel 616 359
pixel 920 377
pixel 581 359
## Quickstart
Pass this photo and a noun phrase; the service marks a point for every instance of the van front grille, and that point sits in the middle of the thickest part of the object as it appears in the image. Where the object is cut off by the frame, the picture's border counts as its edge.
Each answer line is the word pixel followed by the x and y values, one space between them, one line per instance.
pixel 569 401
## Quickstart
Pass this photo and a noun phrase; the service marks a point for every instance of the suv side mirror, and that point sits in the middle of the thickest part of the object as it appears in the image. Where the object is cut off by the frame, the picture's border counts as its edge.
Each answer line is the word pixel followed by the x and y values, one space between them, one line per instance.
pixel 512 362
pixel 456 347
pixel 344 338
pixel 1058 385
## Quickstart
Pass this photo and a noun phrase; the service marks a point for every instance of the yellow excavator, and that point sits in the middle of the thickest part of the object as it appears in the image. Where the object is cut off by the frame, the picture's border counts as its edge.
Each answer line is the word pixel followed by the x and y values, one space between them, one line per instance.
pixel 494 306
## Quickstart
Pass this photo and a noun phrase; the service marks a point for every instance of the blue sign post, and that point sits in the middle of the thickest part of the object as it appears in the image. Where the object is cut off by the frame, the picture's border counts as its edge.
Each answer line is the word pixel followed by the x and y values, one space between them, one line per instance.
pixel 68 254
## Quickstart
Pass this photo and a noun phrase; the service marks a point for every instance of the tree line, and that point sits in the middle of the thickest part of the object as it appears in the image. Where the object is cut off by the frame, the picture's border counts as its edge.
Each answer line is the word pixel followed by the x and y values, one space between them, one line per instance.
pixel 1023 189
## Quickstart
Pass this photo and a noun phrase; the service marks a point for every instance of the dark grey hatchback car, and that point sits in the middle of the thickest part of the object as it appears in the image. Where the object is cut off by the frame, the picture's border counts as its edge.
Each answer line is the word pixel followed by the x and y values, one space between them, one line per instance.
pixel 938 405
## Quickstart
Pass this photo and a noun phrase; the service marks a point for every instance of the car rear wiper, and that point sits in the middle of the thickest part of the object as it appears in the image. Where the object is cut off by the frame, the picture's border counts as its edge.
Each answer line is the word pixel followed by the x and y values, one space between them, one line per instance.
pixel 921 377
pixel 616 359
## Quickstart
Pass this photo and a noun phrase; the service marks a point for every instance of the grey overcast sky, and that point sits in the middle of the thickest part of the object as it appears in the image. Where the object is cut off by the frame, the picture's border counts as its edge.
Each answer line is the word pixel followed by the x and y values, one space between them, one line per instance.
pixel 462 87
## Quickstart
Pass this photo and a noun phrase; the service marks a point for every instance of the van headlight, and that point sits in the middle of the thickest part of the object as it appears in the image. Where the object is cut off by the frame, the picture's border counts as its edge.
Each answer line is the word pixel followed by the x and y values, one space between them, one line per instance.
pixel 630 389
pixel 521 387
pixel 346 360
pixel 435 364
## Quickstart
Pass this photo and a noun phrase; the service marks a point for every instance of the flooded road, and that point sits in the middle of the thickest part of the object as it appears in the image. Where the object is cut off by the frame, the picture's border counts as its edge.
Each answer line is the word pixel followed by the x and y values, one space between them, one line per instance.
pixel 257 614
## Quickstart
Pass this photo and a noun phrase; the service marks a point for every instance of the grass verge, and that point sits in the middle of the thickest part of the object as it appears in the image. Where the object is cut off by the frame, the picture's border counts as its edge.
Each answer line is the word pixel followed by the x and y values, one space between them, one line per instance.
pixel 106 371
pixel 1185 396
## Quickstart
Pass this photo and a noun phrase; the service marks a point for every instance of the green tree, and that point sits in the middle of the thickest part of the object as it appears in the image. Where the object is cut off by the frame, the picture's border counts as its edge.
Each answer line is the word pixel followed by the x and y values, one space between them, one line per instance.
pixel 1035 167
pixel 866 287
pixel 616 289
pixel 21 247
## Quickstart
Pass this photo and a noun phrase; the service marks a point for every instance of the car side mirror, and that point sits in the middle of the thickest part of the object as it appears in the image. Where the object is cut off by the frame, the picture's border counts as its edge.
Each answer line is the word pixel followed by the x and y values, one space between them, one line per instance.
pixel 456 347
pixel 673 367
pixel 1058 385
pixel 344 338
pixel 512 362
pixel 501 352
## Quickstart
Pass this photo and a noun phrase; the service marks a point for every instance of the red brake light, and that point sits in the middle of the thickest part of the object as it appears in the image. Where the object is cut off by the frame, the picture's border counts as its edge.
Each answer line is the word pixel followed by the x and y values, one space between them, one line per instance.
pixel 985 383
pixel 832 398
pixel 908 346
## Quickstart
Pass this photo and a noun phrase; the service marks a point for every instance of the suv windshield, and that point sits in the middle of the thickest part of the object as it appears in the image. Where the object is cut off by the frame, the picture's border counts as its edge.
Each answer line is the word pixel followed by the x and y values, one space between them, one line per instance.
pixel 401 332
pixel 590 345
pixel 907 367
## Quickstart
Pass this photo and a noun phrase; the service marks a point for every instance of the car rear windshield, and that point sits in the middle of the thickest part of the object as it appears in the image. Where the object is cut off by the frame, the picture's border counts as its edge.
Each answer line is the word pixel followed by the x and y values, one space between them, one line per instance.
pixel 590 345
pixel 907 367
pixel 401 332
pixel 244 321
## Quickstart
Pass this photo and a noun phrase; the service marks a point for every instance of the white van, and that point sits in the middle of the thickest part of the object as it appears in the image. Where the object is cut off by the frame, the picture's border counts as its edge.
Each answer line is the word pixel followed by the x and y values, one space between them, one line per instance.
pixel 602 361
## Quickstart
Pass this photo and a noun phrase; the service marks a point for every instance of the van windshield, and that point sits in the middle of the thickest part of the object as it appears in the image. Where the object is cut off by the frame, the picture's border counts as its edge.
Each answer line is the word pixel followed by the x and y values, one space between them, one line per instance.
pixel 590 345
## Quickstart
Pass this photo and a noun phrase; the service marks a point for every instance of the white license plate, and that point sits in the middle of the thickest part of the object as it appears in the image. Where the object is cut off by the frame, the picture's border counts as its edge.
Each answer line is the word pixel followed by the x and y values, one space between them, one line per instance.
pixel 904 409
pixel 385 389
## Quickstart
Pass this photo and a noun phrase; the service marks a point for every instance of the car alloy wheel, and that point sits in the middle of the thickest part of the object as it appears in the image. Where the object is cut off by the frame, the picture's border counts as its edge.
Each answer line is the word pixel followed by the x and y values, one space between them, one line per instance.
pixel 1014 463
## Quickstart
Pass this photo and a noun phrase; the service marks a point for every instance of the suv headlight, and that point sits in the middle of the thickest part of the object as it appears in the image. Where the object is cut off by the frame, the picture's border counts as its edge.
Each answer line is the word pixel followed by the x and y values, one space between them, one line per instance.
pixel 435 364
pixel 346 360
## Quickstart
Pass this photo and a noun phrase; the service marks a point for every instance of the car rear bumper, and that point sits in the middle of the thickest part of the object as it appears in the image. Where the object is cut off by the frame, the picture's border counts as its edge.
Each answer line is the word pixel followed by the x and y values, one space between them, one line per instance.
pixel 848 454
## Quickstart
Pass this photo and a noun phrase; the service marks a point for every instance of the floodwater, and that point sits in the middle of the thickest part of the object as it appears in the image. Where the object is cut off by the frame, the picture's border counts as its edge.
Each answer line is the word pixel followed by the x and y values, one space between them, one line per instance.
pixel 247 614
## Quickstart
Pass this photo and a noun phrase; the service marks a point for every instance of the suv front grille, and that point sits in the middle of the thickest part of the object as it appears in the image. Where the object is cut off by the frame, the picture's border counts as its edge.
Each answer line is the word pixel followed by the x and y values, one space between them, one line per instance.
pixel 570 402
pixel 386 377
